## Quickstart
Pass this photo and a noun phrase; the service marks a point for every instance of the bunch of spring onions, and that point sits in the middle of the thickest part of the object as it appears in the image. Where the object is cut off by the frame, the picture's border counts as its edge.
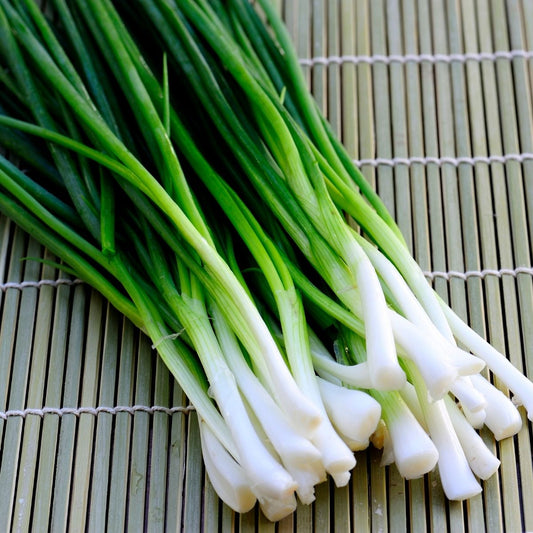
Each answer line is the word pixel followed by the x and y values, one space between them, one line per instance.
pixel 170 154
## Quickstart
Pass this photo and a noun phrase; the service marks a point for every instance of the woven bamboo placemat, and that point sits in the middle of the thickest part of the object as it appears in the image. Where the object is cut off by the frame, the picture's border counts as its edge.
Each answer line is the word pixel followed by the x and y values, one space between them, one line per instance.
pixel 433 98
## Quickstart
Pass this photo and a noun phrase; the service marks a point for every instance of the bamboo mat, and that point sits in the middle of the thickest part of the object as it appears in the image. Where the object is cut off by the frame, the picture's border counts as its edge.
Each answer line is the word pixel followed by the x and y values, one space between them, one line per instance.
pixel 433 98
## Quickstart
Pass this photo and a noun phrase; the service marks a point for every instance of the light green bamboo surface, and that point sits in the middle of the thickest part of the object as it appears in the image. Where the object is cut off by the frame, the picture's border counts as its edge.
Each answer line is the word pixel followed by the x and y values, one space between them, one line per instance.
pixel 433 98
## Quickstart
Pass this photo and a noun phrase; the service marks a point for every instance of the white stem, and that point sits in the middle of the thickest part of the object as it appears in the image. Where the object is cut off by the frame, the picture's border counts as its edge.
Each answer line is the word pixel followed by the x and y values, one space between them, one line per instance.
pixel 410 306
pixel 458 481
pixel 481 460
pixel 287 392
pixel 337 458
pixel 268 479
pixel 404 295
pixel 414 452
pixel 353 413
pixel 466 363
pixel 277 509
pixel 306 469
pixel 298 455
pixel 324 364
pixel 226 475
pixel 471 399
pixel 398 287
pixel 411 399
pixel 358 288
pixel 513 379
pixel 385 370
pixel 475 419
pixel 502 417
pixel 426 354
pixel 328 377
pixel 354 375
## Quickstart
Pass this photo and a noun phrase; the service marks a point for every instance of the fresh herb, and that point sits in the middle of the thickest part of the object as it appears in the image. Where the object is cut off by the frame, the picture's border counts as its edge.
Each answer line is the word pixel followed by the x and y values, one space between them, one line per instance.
pixel 182 168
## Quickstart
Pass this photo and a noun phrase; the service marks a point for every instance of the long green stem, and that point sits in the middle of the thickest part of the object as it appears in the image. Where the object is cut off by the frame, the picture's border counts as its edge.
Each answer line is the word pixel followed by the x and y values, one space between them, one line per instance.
pixel 18 65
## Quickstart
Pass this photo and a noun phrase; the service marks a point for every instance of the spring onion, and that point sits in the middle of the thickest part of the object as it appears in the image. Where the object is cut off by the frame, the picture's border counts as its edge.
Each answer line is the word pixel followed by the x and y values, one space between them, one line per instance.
pixel 181 167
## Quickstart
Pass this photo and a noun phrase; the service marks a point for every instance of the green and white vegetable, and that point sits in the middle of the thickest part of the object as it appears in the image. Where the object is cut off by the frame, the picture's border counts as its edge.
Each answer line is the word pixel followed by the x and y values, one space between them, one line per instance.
pixel 182 168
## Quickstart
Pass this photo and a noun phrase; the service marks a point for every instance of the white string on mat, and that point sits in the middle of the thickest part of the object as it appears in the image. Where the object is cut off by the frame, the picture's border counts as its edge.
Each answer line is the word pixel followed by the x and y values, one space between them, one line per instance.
pixel 430 275
pixel 445 160
pixel 95 411
pixel 514 272
pixel 37 284
pixel 415 58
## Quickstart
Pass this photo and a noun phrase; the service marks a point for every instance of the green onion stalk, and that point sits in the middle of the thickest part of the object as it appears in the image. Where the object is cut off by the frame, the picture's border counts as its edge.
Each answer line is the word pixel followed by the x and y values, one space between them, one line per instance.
pixel 196 185
pixel 273 122
pixel 133 171
pixel 334 157
pixel 187 306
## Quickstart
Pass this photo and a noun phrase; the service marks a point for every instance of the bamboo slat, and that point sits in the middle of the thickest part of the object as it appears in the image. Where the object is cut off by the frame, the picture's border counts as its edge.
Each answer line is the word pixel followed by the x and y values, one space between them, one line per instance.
pixel 433 99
